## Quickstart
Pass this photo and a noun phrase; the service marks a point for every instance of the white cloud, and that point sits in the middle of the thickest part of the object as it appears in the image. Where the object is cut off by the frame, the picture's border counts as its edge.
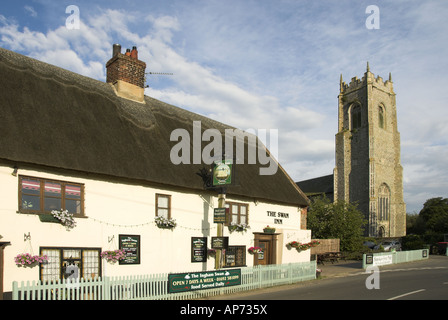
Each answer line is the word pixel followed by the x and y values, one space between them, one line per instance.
pixel 30 10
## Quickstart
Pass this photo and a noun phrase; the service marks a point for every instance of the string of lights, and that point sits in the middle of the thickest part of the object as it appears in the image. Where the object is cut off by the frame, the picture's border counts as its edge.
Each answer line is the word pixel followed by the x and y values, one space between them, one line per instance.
pixel 148 224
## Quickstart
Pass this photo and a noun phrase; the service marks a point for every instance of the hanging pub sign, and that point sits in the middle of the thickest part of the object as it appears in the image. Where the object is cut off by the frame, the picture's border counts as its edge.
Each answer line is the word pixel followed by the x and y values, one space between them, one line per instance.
pixel 198 249
pixel 219 215
pixel 220 242
pixel 131 246
pixel 222 172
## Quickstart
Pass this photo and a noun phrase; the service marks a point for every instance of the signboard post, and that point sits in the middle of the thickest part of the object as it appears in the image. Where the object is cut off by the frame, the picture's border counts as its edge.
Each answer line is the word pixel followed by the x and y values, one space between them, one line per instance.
pixel 222 172
pixel 181 282
pixel 220 227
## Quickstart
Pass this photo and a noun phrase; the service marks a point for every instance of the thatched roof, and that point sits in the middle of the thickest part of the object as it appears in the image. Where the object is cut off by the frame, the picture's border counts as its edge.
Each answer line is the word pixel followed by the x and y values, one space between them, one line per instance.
pixel 53 117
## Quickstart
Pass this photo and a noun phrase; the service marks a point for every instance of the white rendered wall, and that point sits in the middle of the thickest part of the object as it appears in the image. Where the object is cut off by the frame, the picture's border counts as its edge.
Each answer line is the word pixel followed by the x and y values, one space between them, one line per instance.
pixel 118 208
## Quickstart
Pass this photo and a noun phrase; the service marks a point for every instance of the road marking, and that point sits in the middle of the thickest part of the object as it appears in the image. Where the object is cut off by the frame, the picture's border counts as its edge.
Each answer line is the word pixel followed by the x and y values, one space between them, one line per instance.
pixel 406 294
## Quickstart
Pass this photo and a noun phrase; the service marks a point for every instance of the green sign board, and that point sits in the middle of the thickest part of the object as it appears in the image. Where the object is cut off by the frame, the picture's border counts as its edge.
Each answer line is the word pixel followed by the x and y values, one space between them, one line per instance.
pixel 181 282
pixel 222 172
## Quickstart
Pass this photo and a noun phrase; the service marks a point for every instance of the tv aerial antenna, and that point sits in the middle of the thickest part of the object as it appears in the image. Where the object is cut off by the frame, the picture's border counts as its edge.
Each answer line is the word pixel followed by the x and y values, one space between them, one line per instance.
pixel 158 73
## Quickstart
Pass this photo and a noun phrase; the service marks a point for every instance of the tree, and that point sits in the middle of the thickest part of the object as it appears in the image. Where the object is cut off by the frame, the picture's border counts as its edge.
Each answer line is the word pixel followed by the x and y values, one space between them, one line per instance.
pixel 434 215
pixel 415 224
pixel 331 220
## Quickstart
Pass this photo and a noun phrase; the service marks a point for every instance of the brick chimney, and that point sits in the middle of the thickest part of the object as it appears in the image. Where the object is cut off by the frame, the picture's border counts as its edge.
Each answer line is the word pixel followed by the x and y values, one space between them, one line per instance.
pixel 126 73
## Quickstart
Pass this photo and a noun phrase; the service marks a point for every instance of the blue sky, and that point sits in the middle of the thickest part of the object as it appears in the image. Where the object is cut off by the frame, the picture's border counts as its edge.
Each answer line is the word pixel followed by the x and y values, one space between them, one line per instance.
pixel 266 64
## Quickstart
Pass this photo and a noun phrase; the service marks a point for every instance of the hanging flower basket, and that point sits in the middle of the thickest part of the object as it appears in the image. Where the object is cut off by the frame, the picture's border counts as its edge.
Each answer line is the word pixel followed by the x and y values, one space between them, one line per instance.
pixel 239 227
pixel 269 229
pixel 302 246
pixel 65 218
pixel 165 223
pixel 112 256
pixel 292 244
pixel 253 250
pixel 28 260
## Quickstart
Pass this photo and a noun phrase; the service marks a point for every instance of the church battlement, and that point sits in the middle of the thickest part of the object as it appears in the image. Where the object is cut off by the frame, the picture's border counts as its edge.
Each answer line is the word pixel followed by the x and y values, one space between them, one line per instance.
pixel 368 78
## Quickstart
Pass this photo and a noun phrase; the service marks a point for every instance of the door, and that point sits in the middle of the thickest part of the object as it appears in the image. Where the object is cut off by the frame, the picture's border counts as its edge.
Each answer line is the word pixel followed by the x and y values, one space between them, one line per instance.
pixel 268 244
pixel 263 257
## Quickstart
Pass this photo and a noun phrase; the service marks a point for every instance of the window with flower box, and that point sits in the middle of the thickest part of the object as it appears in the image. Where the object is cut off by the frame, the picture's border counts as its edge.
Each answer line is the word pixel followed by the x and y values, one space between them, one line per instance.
pixel 38 195
pixel 237 213
pixel 163 206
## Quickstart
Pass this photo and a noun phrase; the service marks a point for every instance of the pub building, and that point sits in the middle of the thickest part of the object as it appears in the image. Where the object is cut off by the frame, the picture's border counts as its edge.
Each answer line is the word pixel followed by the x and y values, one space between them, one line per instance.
pixel 99 153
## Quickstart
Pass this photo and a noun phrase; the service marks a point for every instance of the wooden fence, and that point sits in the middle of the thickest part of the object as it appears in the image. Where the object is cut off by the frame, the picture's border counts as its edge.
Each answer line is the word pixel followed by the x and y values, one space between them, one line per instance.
pixel 155 287
pixel 326 245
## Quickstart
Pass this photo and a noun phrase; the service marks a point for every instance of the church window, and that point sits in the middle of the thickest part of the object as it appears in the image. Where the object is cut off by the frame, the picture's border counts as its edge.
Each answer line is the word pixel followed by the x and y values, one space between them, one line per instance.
pixel 381 117
pixel 383 202
pixel 356 116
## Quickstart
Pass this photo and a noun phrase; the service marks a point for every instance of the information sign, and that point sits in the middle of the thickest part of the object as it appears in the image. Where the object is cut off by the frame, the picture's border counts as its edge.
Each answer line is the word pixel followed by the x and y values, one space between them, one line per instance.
pixel 219 215
pixel 131 246
pixel 220 242
pixel 198 249
pixel 181 282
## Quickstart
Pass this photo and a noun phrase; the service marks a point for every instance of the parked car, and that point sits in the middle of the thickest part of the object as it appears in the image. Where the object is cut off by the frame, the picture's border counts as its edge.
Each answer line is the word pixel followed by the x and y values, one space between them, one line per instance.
pixel 389 245
pixel 369 244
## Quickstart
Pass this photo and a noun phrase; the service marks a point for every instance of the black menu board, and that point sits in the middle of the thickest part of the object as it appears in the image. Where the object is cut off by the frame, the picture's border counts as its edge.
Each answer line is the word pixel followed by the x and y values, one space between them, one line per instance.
pixel 198 249
pixel 131 246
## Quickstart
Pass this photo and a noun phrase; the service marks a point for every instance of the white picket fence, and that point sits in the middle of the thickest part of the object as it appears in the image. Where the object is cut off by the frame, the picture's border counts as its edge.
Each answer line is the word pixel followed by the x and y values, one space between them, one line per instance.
pixel 394 257
pixel 155 286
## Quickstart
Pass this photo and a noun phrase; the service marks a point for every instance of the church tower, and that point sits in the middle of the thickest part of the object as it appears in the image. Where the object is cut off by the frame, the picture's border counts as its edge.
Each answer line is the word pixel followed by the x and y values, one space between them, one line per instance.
pixel 368 169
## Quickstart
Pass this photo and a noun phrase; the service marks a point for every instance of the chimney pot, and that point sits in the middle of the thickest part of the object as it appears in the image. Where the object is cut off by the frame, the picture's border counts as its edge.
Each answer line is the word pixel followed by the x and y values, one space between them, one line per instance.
pixel 128 52
pixel 134 52
pixel 116 49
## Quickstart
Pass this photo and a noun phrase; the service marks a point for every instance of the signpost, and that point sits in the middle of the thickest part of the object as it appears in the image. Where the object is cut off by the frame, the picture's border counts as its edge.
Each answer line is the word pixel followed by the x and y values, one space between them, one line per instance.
pixel 181 282
pixel 221 176
pixel 220 227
